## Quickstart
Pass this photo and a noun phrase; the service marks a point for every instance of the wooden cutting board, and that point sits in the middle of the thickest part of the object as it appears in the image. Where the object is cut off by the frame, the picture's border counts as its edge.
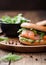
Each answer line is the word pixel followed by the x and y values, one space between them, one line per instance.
pixel 15 45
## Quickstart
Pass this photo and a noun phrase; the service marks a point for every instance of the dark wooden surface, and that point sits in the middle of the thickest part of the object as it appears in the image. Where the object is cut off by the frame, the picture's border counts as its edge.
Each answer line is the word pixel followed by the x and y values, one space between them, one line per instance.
pixel 22 4
pixel 28 58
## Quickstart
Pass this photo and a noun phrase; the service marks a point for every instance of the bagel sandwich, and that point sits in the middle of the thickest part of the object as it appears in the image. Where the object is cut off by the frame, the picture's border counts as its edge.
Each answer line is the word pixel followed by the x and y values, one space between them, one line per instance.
pixel 32 34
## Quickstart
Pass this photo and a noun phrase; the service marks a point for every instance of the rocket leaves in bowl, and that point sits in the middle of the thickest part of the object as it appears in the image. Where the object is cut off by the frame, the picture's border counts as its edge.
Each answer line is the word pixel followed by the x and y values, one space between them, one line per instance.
pixel 14 20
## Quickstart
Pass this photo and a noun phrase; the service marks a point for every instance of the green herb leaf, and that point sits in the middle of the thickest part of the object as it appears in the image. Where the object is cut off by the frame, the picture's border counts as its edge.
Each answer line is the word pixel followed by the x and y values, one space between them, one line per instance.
pixel 6 19
pixel 41 35
pixel 26 39
pixel 3 38
pixel 11 57
pixel 20 30
pixel 35 31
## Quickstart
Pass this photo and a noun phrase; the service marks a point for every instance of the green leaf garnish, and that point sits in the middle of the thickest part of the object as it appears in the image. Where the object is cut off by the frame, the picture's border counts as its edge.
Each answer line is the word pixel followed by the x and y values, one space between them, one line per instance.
pixel 20 30
pixel 26 39
pixel 35 31
pixel 3 38
pixel 10 57
pixel 41 35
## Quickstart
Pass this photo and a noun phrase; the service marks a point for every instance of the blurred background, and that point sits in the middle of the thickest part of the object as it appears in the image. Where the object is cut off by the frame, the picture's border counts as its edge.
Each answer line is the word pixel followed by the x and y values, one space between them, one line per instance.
pixel 35 10
pixel 22 4
pixel 32 9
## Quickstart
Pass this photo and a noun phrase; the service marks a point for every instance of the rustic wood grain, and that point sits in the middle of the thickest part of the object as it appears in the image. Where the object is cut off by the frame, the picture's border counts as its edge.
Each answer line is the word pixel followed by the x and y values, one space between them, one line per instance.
pixel 43 59
pixel 31 59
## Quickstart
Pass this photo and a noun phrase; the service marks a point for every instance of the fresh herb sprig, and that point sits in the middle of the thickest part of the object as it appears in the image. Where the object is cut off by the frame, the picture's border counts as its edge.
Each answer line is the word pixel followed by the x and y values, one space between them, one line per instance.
pixel 3 38
pixel 10 57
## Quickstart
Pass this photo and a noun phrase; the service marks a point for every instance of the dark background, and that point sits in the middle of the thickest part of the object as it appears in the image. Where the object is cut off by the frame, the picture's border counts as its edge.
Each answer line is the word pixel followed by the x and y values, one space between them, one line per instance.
pixel 22 4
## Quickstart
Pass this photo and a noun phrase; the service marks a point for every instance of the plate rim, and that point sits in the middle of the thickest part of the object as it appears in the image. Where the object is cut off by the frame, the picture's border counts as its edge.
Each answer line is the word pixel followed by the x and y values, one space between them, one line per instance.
pixel 23 45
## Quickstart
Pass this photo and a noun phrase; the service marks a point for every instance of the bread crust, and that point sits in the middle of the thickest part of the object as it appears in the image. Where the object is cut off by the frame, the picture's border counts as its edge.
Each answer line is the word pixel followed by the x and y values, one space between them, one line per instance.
pixel 34 26
pixel 41 22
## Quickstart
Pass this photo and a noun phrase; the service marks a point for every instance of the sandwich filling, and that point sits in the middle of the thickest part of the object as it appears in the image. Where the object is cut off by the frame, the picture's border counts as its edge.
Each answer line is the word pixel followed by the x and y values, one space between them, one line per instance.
pixel 32 35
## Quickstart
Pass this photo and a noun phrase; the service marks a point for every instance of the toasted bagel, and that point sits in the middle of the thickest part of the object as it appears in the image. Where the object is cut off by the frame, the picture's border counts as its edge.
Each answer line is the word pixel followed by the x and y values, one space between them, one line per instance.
pixel 34 26
pixel 41 22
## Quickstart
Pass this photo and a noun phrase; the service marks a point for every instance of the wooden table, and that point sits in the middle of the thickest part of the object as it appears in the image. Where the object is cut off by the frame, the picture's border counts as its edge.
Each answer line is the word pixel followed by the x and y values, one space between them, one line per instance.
pixel 28 58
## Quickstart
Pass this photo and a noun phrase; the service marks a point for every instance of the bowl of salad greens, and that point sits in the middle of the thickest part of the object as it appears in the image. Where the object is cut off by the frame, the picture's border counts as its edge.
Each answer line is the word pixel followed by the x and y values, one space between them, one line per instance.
pixel 10 25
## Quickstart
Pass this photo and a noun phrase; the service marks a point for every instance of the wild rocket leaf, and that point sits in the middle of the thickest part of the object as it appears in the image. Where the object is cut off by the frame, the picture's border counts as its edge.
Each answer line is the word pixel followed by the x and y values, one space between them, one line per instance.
pixel 14 20
pixel 3 38
pixel 10 57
